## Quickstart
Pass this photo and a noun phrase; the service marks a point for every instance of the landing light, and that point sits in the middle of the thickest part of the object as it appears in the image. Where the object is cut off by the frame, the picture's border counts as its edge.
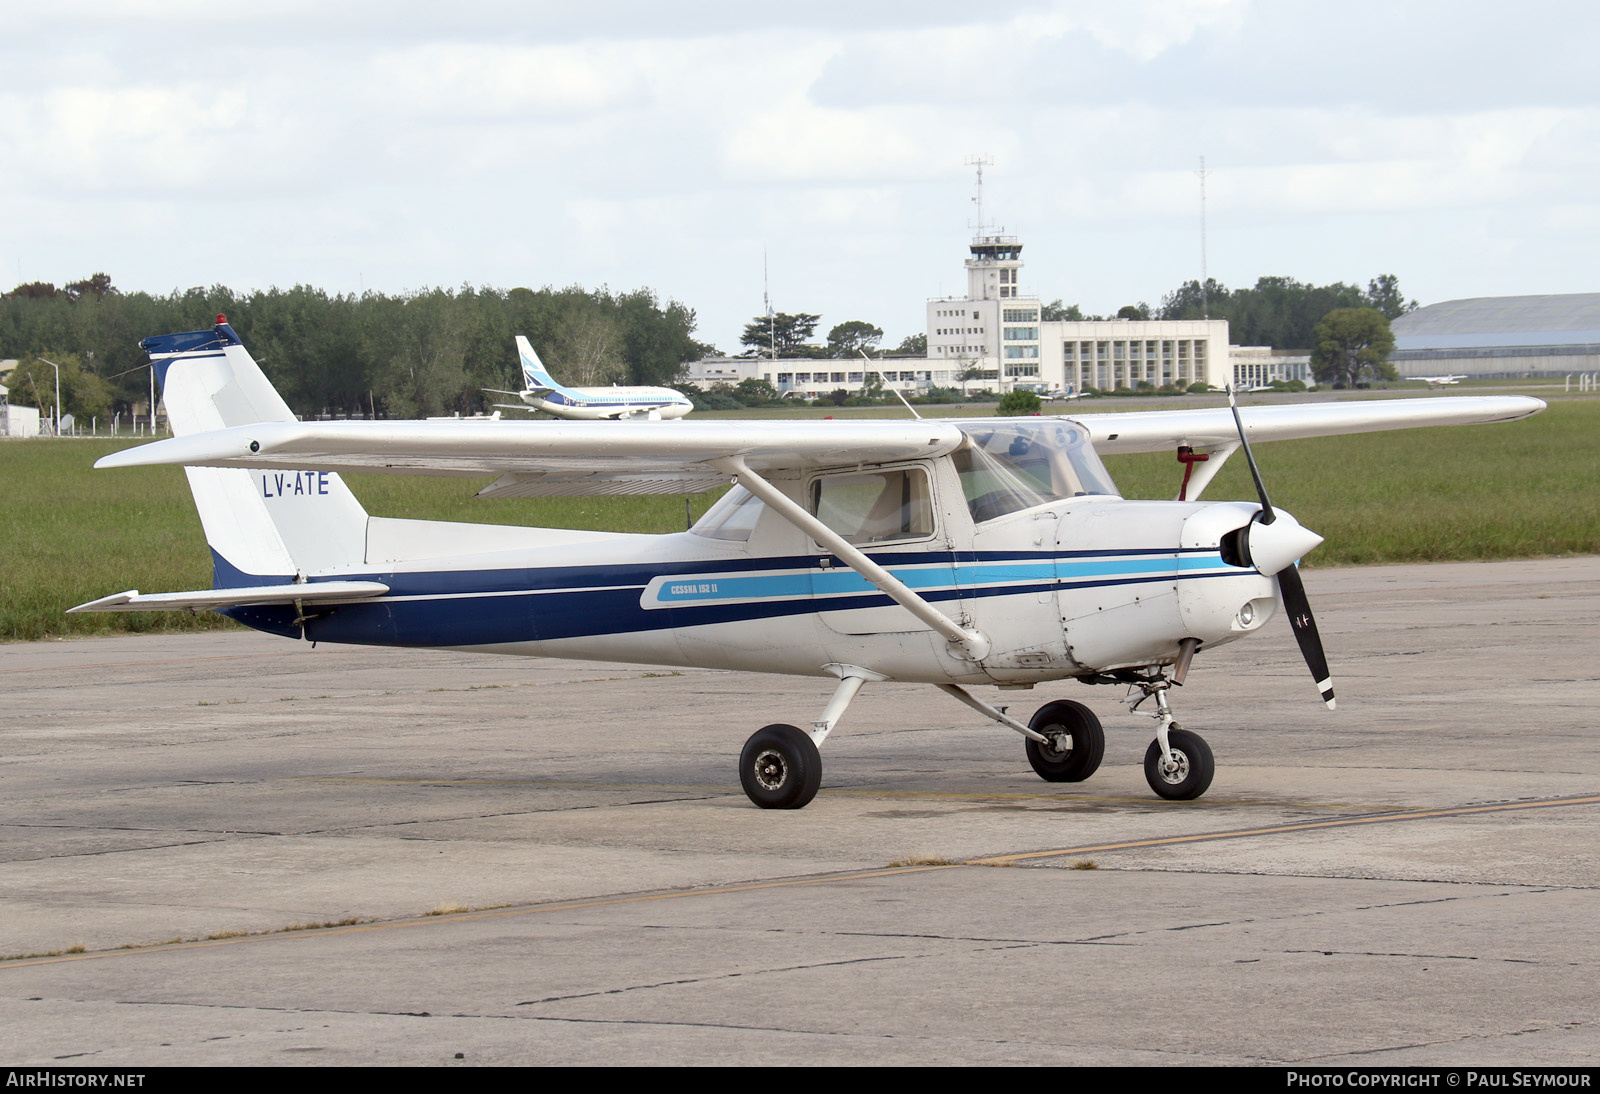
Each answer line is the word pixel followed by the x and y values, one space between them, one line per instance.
pixel 1247 614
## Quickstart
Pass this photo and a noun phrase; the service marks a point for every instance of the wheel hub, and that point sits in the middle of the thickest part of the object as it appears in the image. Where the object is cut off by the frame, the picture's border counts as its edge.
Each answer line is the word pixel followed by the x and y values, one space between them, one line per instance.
pixel 1057 746
pixel 1176 771
pixel 771 771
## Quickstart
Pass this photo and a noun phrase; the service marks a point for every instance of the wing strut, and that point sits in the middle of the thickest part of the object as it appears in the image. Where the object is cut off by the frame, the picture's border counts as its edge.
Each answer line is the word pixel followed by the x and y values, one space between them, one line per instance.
pixel 970 644
pixel 1216 456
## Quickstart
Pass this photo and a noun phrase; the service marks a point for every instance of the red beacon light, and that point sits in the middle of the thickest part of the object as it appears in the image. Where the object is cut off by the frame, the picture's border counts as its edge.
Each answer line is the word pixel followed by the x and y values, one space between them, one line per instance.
pixel 222 320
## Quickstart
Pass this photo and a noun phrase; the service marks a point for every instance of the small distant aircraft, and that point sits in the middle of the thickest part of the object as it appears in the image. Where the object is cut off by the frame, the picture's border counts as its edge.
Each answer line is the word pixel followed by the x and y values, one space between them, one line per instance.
pixel 542 392
pixel 1064 393
pixel 951 552
pixel 1438 381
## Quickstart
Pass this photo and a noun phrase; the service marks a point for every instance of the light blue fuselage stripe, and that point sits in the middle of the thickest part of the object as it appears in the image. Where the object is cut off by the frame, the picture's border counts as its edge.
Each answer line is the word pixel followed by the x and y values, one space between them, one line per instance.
pixel 544 604
pixel 707 588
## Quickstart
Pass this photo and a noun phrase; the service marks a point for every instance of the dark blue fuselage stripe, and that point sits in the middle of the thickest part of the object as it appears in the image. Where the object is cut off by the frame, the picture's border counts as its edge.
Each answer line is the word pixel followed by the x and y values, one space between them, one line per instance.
pixel 517 616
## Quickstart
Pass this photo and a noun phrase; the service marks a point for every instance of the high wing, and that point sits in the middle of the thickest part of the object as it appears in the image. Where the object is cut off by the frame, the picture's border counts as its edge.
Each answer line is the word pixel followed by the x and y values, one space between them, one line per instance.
pixel 562 458
pixel 1161 430
pixel 541 459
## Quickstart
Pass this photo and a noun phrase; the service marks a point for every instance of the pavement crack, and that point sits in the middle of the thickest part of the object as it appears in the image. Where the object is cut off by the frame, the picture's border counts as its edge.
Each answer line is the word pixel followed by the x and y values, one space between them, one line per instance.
pixel 722 976
pixel 1464 1038
pixel 120 850
pixel 1381 953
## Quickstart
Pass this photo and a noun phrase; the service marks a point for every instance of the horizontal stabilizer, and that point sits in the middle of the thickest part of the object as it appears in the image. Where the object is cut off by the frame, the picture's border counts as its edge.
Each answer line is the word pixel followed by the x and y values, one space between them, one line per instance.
pixel 315 592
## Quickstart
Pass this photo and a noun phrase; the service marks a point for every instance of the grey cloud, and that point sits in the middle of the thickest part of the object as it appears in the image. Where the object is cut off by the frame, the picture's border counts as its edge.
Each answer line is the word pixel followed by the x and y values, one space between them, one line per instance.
pixel 1392 58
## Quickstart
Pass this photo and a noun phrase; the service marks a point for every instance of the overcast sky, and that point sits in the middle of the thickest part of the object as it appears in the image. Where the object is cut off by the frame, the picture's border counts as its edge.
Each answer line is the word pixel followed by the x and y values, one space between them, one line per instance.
pixel 399 145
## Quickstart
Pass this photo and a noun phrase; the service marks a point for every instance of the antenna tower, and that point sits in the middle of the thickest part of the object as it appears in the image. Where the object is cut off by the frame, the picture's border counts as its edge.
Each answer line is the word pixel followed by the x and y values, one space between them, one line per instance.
pixel 1205 303
pixel 766 298
pixel 980 162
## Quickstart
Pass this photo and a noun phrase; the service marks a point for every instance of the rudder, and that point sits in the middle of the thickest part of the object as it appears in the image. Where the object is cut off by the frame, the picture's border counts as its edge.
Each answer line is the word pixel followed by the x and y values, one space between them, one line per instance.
pixel 262 526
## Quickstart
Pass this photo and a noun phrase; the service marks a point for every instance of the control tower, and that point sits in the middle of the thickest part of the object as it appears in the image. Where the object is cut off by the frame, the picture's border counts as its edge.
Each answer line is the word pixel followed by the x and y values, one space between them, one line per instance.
pixel 990 335
pixel 993 268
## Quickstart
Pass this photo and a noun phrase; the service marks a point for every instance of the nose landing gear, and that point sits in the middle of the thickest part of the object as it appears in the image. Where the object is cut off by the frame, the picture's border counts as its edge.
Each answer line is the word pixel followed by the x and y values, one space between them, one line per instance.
pixel 1178 765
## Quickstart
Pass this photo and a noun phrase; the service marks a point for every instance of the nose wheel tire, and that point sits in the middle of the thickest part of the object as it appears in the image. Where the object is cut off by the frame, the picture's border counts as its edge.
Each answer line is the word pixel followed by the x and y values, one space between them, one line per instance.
pixel 1190 772
pixel 1077 742
pixel 780 767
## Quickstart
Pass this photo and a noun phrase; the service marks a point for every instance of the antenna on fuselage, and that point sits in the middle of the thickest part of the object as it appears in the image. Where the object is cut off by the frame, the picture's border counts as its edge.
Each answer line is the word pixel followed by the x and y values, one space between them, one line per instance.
pixel 885 379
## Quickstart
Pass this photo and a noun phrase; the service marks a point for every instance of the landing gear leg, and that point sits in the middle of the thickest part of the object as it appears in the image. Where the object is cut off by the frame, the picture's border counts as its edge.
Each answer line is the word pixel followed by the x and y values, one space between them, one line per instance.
pixel 1178 765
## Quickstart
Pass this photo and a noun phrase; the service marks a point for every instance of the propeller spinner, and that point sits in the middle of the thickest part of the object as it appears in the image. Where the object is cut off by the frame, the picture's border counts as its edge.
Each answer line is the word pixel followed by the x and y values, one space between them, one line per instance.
pixel 1271 544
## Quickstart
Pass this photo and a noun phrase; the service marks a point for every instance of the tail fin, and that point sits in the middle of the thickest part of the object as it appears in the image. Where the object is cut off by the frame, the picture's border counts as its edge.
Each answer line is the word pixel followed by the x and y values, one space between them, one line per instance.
pixel 535 377
pixel 263 526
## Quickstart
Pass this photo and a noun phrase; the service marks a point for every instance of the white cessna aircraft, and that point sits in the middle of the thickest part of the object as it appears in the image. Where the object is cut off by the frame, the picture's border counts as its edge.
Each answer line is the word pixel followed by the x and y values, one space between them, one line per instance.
pixel 542 392
pixel 956 553
pixel 1438 381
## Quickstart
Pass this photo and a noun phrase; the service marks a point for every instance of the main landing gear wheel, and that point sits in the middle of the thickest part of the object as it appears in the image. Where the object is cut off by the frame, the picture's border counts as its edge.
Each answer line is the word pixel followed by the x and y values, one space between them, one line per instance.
pixel 780 767
pixel 1076 746
pixel 1191 770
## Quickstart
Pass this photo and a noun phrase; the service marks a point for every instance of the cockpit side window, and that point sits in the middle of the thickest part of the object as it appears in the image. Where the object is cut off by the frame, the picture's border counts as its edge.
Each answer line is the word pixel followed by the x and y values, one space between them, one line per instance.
pixel 732 518
pixel 875 506
pixel 1006 468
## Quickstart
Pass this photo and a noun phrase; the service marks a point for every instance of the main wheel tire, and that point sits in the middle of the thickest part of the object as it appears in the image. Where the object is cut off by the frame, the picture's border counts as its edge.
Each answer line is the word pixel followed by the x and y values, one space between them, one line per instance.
pixel 780 767
pixel 1066 765
pixel 1194 766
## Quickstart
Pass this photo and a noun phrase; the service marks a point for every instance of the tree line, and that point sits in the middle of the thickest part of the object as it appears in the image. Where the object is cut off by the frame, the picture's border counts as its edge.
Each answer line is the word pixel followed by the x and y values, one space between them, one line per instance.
pixel 786 335
pixel 405 356
pixel 1277 311
pixel 435 351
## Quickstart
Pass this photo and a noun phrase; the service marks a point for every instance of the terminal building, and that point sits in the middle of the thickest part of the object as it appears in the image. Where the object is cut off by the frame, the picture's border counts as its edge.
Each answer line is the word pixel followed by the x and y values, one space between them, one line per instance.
pixel 997 338
pixel 1002 335
pixel 1500 336
pixel 812 377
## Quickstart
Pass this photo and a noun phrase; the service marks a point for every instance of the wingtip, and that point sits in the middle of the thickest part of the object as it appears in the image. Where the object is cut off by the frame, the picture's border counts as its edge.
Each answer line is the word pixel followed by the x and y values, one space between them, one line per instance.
pixel 105 603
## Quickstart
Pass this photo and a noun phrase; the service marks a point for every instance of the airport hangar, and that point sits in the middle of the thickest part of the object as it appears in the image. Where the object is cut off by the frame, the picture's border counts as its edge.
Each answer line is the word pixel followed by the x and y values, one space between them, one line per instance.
pixel 1500 336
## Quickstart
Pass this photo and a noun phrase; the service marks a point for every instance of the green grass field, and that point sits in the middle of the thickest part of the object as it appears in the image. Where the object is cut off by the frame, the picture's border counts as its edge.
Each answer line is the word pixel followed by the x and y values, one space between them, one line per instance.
pixel 1521 490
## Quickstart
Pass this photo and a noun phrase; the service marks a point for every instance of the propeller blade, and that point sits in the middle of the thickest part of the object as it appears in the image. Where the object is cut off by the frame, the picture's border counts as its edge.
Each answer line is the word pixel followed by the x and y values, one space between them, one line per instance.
pixel 1305 630
pixel 1267 514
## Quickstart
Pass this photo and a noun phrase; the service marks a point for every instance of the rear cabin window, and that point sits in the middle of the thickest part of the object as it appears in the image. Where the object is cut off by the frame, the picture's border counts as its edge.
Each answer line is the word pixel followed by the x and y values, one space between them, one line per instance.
pixel 875 506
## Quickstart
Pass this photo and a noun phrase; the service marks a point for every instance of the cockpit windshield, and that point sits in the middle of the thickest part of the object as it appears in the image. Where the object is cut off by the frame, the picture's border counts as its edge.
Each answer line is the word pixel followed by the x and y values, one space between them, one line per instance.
pixel 1011 466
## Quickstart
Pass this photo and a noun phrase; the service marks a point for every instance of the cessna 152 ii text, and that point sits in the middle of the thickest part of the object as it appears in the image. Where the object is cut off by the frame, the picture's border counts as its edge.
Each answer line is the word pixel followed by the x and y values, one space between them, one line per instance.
pixel 949 552
pixel 542 392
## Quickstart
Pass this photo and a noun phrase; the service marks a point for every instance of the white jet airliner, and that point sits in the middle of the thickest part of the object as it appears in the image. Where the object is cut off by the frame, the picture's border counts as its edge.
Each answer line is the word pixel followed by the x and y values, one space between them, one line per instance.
pixel 541 391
